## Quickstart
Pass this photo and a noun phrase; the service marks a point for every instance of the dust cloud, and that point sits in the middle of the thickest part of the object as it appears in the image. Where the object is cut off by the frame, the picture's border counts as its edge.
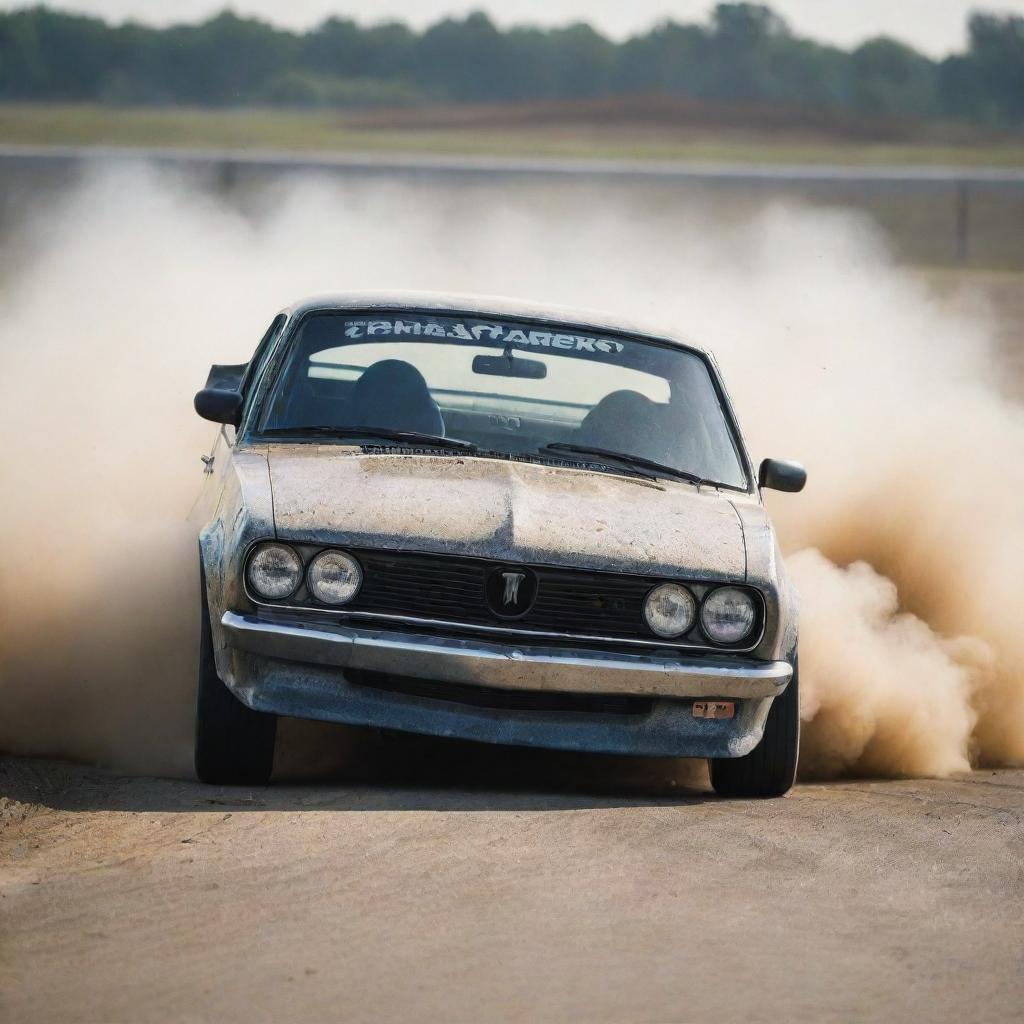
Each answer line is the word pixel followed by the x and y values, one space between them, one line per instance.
pixel 907 546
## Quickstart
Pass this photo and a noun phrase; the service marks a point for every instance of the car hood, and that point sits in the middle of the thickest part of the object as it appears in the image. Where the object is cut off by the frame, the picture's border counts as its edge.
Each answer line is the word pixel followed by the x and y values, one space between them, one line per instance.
pixel 506 511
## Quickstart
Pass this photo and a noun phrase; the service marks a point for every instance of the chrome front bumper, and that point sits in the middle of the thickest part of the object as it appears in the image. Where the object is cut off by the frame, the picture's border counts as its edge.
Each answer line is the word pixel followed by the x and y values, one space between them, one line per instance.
pixel 507 666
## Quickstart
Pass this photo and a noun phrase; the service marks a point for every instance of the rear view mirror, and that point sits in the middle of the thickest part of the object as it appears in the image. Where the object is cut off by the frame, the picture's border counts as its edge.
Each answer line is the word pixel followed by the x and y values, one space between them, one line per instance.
pixel 219 406
pixel 777 475
pixel 509 365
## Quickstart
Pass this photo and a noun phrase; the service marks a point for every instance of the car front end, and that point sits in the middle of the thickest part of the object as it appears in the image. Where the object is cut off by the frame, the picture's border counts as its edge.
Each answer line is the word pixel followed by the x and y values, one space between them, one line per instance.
pixel 558 595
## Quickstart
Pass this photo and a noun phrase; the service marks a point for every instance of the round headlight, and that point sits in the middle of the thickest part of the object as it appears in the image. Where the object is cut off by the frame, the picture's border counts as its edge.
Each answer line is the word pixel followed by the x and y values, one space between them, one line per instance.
pixel 728 615
pixel 670 610
pixel 275 572
pixel 334 577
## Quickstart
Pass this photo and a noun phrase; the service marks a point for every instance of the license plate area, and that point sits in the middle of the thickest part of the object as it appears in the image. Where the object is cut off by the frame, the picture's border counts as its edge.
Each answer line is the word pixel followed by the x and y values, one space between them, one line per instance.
pixel 714 709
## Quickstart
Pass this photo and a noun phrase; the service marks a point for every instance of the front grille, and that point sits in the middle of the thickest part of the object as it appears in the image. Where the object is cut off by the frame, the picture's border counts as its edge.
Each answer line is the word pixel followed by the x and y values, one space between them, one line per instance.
pixel 423 586
pixel 456 595
pixel 454 589
pixel 505 700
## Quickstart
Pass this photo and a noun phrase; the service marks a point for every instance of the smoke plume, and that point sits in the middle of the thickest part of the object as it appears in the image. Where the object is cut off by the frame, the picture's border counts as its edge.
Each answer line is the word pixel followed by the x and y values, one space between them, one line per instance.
pixel 907 546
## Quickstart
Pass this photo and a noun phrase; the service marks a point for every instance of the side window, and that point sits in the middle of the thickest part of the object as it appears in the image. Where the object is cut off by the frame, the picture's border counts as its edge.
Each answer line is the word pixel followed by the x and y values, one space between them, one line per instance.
pixel 258 362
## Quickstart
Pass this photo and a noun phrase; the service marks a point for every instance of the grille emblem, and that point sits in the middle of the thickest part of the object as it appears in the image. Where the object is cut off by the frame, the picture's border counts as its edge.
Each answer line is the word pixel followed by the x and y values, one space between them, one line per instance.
pixel 512 582
pixel 511 591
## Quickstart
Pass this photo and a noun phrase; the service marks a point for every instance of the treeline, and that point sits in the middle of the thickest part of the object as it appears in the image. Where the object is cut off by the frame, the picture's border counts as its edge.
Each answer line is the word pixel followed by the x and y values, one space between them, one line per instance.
pixel 745 53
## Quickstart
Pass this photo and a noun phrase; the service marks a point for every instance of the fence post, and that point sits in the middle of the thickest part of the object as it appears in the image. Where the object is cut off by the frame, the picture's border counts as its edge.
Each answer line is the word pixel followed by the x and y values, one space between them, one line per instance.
pixel 963 222
pixel 227 175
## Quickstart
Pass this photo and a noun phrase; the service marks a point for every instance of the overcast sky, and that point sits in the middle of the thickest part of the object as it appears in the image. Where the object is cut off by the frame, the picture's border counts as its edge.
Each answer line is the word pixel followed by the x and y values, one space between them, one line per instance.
pixel 936 26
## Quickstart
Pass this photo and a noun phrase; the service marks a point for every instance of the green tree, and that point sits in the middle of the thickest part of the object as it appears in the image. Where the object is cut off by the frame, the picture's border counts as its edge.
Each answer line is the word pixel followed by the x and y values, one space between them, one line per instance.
pixel 747 25
pixel 341 47
pixel 746 54
pixel 224 60
pixel 48 55
pixel 996 54
pixel 583 62
pixel 887 77
pixel 470 59
pixel 664 60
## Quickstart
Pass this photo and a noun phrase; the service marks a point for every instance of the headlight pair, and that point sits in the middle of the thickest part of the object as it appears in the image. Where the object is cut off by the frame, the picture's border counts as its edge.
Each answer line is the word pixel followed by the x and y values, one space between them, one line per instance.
pixel 275 572
pixel 727 614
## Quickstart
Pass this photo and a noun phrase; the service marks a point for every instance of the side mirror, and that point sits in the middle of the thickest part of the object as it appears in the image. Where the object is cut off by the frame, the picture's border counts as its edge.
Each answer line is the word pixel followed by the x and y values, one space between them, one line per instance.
pixel 219 406
pixel 776 475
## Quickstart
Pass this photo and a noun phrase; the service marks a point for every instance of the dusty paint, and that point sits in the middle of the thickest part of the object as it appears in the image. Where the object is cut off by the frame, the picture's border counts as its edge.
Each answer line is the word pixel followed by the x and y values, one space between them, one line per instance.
pixel 508 511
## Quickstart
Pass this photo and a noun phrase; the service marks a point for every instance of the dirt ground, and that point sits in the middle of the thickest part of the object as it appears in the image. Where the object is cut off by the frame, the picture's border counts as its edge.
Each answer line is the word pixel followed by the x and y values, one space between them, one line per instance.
pixel 554 888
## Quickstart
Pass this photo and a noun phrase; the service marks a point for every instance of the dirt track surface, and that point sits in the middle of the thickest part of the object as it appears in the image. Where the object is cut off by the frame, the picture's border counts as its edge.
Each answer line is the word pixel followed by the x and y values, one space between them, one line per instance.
pixel 582 897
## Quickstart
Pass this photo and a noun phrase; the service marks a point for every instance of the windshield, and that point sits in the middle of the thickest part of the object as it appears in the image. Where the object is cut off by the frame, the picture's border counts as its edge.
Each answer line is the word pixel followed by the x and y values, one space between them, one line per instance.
pixel 505 387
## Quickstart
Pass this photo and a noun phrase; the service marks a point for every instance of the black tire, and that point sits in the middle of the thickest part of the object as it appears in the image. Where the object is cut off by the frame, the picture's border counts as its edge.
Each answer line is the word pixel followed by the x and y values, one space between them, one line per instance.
pixel 769 770
pixel 234 744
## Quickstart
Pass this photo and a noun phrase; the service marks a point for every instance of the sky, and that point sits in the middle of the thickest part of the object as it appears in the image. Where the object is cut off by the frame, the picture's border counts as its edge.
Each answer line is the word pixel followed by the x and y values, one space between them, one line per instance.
pixel 934 26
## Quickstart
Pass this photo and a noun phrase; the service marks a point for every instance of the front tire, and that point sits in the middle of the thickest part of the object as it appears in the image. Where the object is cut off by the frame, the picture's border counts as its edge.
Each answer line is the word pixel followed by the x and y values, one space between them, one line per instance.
pixel 769 770
pixel 234 744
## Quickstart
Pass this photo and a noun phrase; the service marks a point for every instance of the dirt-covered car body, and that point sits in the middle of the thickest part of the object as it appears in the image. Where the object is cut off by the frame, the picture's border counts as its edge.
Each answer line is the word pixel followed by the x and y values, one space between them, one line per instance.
pixel 501 594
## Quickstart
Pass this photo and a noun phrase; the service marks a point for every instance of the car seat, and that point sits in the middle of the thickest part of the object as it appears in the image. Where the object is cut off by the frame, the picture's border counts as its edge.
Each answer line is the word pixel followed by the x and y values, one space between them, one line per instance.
pixel 619 422
pixel 392 394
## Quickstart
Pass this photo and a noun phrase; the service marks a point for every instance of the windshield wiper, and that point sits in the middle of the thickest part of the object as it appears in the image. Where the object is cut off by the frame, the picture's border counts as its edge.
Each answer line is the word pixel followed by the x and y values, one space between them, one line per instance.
pixel 406 436
pixel 625 458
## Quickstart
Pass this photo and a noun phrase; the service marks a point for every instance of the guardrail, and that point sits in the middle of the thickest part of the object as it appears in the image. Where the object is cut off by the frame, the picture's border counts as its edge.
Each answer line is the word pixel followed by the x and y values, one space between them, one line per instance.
pixel 961 184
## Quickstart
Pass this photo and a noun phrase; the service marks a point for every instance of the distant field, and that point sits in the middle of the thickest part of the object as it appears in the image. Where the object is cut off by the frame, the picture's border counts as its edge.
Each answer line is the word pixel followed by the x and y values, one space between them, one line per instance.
pixel 487 131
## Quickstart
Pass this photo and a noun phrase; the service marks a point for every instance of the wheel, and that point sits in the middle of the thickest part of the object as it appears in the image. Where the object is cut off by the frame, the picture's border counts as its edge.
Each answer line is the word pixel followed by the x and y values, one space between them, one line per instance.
pixel 234 744
pixel 770 768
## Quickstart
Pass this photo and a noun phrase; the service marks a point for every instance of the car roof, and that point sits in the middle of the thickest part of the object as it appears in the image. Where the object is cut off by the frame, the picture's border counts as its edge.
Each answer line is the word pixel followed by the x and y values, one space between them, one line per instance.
pixel 485 306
